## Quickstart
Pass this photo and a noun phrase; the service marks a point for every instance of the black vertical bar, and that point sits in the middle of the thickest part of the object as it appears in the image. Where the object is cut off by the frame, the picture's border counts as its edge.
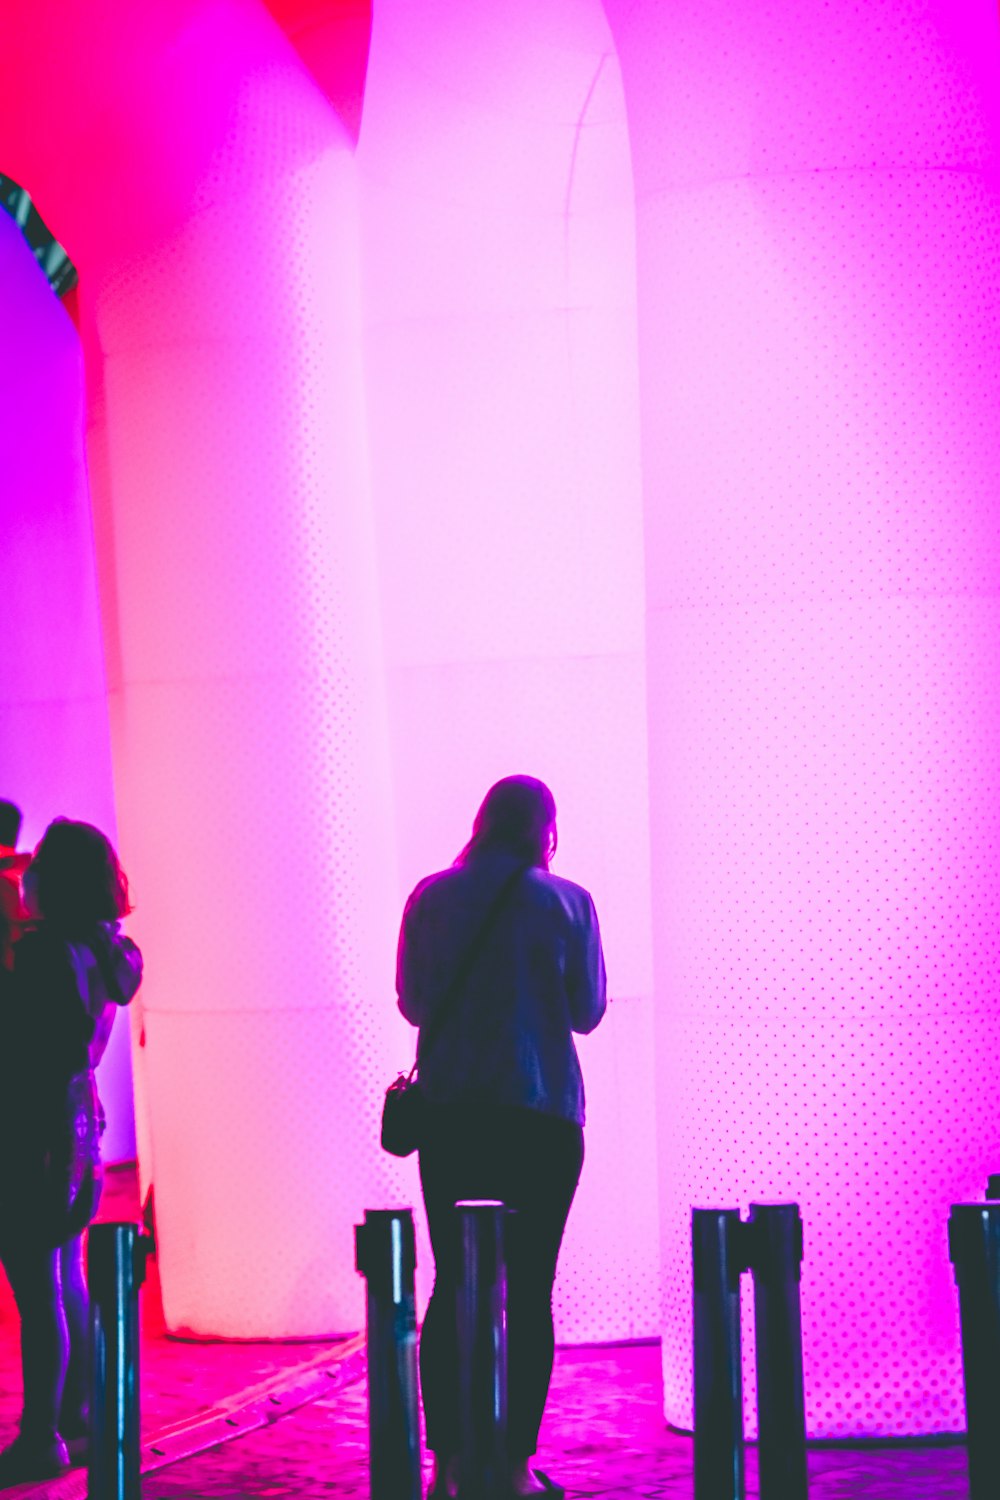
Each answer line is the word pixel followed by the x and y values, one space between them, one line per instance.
pixel 116 1265
pixel 482 1351
pixel 386 1256
pixel 974 1244
pixel 775 1241
pixel 993 1186
pixel 716 1238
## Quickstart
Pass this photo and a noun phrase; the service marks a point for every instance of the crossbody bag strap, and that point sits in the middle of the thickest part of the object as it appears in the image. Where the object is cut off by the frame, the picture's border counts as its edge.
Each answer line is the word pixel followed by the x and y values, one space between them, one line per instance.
pixel 448 1005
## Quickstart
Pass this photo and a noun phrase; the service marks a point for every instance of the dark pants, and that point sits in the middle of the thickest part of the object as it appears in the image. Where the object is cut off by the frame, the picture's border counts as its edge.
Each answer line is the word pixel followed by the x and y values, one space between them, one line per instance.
pixel 531 1162
pixel 51 1294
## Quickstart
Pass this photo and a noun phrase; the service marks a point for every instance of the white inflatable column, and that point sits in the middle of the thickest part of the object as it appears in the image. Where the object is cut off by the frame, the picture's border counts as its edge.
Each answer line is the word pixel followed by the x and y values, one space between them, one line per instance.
pixel 250 738
pixel 212 213
pixel 499 292
pixel 819 289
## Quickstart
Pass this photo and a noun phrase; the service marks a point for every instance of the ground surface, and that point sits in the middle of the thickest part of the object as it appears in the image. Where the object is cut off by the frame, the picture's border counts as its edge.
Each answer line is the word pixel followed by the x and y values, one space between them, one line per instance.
pixel 603 1436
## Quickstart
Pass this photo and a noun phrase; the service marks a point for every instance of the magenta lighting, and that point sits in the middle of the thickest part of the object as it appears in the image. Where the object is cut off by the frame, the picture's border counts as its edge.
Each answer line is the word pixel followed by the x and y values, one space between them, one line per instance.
pixel 819 371
pixel 617 404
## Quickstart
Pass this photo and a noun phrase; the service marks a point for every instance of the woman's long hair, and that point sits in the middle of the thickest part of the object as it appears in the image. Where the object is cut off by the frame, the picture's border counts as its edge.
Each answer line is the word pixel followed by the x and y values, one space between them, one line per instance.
pixel 517 816
pixel 75 878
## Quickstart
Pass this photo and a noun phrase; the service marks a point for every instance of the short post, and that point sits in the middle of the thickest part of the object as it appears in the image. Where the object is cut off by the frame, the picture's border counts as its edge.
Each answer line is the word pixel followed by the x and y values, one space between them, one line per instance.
pixel 116 1268
pixel 385 1250
pixel 717 1245
pixel 482 1350
pixel 974 1246
pixel 775 1239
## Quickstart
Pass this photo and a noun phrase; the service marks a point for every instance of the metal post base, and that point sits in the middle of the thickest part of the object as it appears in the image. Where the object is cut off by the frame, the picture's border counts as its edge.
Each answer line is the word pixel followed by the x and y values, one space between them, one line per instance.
pixel 775 1239
pixel 719 1260
pixel 116 1268
pixel 386 1256
pixel 974 1245
pixel 482 1352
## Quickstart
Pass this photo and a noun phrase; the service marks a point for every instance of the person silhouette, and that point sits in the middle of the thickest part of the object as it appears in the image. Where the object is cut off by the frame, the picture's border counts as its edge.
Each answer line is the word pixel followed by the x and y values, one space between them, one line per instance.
pixel 72 969
pixel 504 1090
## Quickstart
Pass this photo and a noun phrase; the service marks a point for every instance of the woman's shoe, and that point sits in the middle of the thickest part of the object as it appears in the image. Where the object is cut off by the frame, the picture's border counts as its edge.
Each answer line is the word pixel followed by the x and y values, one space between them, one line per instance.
pixel 553 1491
pixel 75 1431
pixel 78 1449
pixel 445 1486
pixel 27 1459
pixel 532 1482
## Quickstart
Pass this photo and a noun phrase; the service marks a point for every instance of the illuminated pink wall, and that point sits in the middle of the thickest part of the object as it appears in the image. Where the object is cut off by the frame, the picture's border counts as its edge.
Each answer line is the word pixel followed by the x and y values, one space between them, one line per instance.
pixel 364 441
pixel 55 755
pixel 500 352
pixel 817 223
pixel 219 283
pixel 227 440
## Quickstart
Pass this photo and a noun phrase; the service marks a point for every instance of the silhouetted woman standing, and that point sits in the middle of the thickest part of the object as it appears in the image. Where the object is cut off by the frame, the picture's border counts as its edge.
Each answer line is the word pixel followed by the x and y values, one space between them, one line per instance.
pixel 505 1089
pixel 72 969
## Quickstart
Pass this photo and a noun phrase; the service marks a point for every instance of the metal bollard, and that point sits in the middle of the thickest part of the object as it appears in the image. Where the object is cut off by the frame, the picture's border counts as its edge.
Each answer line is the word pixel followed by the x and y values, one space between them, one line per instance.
pixel 775 1240
pixel 482 1351
pixel 974 1246
pixel 385 1254
pixel 116 1268
pixel 717 1237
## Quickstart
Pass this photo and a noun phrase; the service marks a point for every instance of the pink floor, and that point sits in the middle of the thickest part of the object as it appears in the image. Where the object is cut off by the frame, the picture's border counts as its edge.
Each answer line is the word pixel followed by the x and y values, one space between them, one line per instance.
pixel 179 1380
pixel 604 1434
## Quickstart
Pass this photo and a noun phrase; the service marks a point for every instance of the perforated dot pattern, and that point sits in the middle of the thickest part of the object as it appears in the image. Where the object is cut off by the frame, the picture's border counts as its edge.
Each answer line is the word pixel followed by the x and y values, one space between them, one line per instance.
pixel 818 307
pixel 250 733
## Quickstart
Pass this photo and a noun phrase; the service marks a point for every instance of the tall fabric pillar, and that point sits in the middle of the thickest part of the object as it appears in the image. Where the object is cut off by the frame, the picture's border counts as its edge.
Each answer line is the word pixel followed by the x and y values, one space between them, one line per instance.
pixel 219 291
pixel 819 288
pixel 500 353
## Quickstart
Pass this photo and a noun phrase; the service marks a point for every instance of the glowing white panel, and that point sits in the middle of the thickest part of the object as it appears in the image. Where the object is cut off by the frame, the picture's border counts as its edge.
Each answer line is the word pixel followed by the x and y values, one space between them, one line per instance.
pixel 500 355
pixel 220 292
pixel 819 304
pixel 55 752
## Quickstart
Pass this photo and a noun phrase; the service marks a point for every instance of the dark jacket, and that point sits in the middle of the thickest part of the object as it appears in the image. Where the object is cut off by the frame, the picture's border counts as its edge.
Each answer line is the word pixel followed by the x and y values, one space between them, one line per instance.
pixel 539 978
pixel 56 1014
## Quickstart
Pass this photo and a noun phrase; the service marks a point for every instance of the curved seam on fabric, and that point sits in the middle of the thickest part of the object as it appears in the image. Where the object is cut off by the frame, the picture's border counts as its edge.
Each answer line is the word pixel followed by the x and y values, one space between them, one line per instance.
pixel 581 118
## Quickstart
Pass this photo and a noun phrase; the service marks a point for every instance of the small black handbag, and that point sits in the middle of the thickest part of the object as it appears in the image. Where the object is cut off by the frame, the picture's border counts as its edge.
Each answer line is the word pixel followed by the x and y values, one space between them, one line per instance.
pixel 404 1113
